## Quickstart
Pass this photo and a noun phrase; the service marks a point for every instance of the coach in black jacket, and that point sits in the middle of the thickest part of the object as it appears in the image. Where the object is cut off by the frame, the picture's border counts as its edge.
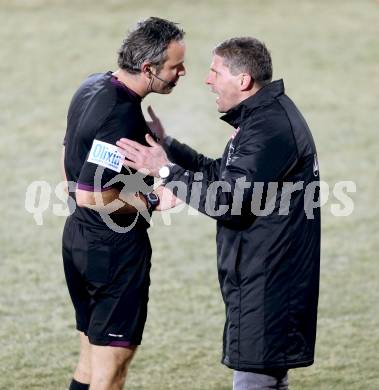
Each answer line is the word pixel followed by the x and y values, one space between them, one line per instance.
pixel 268 252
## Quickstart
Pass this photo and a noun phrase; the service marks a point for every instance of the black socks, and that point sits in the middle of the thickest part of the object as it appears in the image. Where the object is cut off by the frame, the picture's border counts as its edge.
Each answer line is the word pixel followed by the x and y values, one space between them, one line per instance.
pixel 75 385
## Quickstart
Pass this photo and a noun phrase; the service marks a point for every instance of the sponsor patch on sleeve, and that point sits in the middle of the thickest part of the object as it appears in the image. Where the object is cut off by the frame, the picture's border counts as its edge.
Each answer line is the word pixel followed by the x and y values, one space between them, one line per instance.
pixel 106 155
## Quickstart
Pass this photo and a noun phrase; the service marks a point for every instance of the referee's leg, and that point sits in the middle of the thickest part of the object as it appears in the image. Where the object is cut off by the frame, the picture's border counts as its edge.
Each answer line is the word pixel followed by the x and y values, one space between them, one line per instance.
pixel 82 372
pixel 103 367
pixel 109 366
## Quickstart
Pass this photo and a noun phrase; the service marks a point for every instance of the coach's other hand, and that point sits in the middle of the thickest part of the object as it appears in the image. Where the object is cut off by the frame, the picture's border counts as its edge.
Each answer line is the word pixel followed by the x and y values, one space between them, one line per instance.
pixel 140 157
pixel 156 126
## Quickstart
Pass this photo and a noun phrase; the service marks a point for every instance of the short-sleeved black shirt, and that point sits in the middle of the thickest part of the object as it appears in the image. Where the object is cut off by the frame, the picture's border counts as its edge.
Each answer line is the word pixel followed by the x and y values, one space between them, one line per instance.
pixel 106 110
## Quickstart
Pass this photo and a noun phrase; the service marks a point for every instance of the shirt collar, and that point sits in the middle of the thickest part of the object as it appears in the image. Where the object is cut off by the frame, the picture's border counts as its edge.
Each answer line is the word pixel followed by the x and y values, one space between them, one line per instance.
pixel 263 97
pixel 122 87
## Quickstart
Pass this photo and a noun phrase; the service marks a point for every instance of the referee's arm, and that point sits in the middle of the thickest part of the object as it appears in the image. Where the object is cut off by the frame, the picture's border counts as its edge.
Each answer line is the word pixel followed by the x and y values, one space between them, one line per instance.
pixel 106 203
pixel 88 199
pixel 91 200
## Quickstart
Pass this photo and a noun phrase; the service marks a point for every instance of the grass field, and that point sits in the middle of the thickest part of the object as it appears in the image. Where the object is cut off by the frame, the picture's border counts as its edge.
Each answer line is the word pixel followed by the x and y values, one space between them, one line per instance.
pixel 328 54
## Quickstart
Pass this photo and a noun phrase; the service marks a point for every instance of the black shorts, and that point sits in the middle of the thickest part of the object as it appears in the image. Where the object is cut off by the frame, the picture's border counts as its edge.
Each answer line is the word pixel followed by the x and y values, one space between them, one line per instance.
pixel 107 275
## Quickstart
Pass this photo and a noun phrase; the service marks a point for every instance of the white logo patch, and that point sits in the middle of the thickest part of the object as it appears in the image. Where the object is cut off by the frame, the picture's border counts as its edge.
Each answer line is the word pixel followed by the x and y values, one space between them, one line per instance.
pixel 106 155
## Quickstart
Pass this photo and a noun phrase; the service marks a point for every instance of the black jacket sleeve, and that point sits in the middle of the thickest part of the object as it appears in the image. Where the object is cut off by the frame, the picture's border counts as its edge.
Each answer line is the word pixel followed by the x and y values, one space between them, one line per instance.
pixel 261 152
pixel 186 157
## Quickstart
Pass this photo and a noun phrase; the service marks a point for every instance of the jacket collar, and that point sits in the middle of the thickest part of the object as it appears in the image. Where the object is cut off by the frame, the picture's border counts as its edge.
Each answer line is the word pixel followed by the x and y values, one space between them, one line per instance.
pixel 263 97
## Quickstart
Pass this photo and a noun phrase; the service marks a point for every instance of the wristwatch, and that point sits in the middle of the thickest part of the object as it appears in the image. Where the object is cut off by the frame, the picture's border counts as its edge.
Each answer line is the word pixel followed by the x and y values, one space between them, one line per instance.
pixel 152 201
pixel 165 170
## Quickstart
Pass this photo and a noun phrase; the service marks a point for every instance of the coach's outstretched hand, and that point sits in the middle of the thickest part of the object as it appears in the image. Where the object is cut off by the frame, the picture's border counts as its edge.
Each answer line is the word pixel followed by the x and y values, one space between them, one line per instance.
pixel 137 156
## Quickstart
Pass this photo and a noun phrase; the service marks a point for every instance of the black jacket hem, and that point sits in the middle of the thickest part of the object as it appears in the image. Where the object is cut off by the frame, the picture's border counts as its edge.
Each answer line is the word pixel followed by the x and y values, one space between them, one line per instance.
pixel 259 366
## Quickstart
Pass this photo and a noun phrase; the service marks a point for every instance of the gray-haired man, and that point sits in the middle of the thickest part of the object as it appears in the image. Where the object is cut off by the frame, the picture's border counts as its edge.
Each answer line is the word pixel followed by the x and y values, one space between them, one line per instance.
pixel 107 272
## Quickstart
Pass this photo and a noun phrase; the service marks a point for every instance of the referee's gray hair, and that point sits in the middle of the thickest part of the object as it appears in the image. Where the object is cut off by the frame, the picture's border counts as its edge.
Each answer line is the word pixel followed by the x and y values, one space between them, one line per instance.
pixel 148 41
pixel 246 54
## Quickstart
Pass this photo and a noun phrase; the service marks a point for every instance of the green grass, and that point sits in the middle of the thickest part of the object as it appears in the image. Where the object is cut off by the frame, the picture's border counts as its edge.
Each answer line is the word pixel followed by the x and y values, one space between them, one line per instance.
pixel 328 55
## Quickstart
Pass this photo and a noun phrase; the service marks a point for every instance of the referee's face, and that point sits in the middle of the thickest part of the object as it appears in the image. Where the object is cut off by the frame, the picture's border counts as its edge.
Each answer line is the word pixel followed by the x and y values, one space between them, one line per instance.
pixel 172 69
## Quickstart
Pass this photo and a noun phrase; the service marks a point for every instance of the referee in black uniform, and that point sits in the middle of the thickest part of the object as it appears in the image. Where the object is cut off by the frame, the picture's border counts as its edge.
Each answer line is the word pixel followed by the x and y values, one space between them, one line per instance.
pixel 107 272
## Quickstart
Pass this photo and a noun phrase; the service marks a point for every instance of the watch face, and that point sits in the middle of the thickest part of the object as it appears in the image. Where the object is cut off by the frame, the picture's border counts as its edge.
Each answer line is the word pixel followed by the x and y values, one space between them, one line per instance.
pixel 164 172
pixel 153 199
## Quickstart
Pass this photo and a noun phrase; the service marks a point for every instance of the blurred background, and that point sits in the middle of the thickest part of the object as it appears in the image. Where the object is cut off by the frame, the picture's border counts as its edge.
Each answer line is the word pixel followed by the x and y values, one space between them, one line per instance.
pixel 327 52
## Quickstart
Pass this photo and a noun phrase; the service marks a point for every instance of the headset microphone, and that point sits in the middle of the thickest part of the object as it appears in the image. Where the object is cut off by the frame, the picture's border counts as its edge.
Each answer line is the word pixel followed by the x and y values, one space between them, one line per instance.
pixel 171 84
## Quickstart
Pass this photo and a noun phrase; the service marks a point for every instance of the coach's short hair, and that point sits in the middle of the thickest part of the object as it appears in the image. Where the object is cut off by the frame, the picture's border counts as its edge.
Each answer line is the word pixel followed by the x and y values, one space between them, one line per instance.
pixel 148 41
pixel 246 54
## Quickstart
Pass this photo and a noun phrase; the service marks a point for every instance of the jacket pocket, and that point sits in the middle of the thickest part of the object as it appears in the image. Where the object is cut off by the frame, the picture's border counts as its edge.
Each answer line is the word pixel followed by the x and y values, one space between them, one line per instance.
pixel 237 261
pixel 229 257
